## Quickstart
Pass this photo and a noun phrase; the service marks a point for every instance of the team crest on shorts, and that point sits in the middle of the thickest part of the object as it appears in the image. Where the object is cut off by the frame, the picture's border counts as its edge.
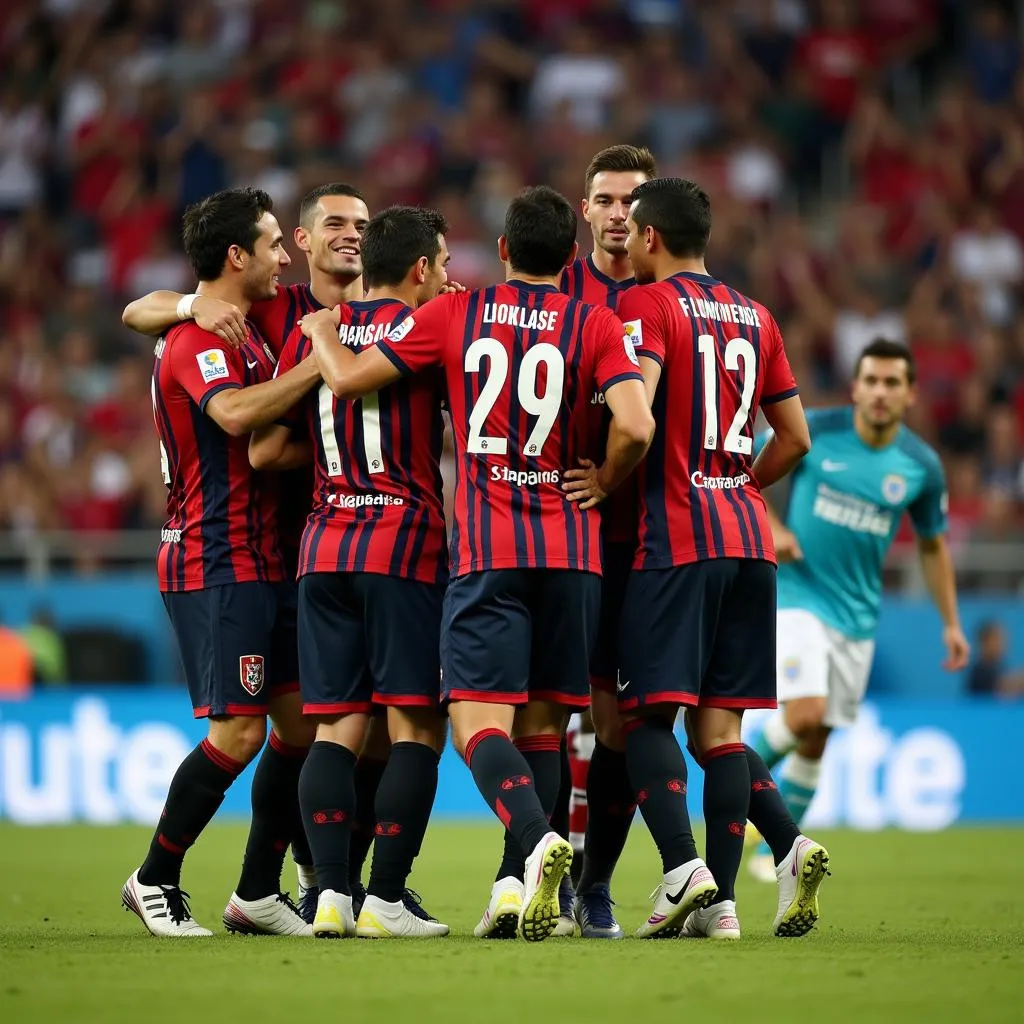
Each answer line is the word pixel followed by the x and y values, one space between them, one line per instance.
pixel 791 668
pixel 894 488
pixel 250 670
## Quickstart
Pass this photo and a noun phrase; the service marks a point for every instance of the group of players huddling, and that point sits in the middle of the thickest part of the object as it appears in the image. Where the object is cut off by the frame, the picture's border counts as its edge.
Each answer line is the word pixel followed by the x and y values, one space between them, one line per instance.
pixel 603 411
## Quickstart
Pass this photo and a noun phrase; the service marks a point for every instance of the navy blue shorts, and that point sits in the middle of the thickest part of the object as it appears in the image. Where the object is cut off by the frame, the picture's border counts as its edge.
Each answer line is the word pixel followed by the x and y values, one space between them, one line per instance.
pixel 604 662
pixel 512 635
pixel 700 634
pixel 368 639
pixel 237 644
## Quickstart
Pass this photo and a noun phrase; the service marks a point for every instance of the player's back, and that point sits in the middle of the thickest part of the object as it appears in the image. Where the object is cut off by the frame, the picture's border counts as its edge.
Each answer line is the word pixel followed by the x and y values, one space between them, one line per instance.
pixel 377 502
pixel 221 525
pixel 522 363
pixel 846 501
pixel 721 358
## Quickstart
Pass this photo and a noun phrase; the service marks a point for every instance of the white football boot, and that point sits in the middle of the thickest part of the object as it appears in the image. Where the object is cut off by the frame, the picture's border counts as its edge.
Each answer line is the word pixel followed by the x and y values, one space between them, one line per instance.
pixel 163 909
pixel 719 921
pixel 381 920
pixel 684 889
pixel 334 918
pixel 271 915
pixel 501 918
pixel 545 868
pixel 800 875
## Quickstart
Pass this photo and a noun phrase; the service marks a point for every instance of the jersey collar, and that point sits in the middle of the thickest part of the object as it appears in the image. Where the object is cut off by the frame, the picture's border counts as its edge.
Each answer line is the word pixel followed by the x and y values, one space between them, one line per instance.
pixel 698 278
pixel 608 282
pixel 528 286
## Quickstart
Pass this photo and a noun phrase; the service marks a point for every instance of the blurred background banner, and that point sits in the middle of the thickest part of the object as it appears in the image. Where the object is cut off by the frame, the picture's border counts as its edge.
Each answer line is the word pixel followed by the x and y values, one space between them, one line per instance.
pixel 108 756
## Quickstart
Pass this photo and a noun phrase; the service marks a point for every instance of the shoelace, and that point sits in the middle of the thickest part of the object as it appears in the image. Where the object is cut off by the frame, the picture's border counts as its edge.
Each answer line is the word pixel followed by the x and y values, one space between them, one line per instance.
pixel 597 904
pixel 286 899
pixel 413 902
pixel 177 899
pixel 308 904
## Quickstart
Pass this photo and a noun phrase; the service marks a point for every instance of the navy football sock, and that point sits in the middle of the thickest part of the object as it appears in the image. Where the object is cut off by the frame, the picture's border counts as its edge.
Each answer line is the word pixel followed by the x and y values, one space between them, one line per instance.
pixel 328 798
pixel 369 771
pixel 726 807
pixel 405 798
pixel 657 774
pixel 768 811
pixel 195 793
pixel 275 794
pixel 560 811
pixel 611 806
pixel 504 780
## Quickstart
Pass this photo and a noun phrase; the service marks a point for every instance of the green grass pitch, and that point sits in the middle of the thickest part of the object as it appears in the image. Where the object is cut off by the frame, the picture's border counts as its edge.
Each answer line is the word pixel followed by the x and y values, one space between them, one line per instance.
pixel 915 928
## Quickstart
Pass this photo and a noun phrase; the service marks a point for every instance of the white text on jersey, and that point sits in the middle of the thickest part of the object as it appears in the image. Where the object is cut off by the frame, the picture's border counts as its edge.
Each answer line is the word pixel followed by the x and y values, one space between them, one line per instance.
pixel 363 334
pixel 704 309
pixel 518 316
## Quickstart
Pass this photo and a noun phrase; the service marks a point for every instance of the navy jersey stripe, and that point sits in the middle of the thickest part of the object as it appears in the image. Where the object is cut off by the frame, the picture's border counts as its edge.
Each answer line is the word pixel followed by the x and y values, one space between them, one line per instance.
pixel 571 328
pixel 212 452
pixel 473 497
pixel 175 554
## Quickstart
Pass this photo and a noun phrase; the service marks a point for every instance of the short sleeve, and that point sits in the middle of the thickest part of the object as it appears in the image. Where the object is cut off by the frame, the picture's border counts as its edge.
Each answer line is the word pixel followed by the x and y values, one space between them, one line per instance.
pixel 779 382
pixel 615 360
pixel 203 365
pixel 418 342
pixel 644 323
pixel 929 511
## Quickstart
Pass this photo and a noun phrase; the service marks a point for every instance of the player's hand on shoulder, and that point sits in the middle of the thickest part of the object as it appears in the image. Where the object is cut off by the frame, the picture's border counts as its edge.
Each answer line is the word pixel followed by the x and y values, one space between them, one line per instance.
pixel 958 649
pixel 224 319
pixel 309 323
pixel 451 288
pixel 787 547
pixel 583 485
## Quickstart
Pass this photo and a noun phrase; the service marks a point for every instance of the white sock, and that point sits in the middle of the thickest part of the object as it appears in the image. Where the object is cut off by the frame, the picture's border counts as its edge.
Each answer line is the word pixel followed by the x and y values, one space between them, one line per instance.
pixel 778 736
pixel 307 876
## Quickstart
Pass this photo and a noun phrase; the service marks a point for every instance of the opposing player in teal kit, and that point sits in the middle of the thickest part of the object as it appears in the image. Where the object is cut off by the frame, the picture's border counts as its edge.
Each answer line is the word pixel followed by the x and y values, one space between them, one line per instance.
pixel 866 468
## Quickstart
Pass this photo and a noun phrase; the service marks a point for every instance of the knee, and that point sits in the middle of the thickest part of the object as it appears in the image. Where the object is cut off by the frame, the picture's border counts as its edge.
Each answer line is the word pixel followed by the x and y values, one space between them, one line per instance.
pixel 417 725
pixel 240 737
pixel 806 716
pixel 609 733
pixel 812 746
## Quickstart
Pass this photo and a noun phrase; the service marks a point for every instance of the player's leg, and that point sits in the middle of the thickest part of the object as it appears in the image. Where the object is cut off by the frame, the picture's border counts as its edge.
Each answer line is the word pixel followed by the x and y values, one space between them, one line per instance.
pixel 370 765
pixel 332 671
pixel 402 619
pixel 211 631
pixel 578 749
pixel 663 655
pixel 485 652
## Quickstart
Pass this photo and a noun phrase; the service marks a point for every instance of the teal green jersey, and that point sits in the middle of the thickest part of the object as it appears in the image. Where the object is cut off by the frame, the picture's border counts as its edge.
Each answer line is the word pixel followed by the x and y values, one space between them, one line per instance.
pixel 845 505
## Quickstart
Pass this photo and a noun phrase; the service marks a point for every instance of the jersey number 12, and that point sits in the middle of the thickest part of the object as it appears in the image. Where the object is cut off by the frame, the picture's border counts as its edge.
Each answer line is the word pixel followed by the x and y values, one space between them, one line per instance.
pixel 737 350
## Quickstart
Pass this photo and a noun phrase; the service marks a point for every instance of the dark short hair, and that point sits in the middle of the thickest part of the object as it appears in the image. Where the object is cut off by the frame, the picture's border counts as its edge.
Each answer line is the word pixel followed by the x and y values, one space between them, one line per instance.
pixel 214 224
pixel 620 159
pixel 679 210
pixel 307 210
pixel 540 231
pixel 883 348
pixel 395 239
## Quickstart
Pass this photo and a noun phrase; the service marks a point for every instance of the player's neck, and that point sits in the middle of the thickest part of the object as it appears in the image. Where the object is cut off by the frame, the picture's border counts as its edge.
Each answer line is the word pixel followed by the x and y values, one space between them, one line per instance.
pixel 512 274
pixel 329 291
pixel 613 265
pixel 226 290
pixel 671 266
pixel 872 436
pixel 396 293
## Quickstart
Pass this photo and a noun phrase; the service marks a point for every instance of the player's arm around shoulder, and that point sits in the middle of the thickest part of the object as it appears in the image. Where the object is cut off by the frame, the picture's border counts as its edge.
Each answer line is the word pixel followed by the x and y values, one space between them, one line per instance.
pixel 276 447
pixel 159 311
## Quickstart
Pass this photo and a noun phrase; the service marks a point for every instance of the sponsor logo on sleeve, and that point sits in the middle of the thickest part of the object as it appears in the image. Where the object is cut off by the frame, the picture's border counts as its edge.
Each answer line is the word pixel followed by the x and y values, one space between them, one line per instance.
pixel 399 332
pixel 212 364
pixel 632 339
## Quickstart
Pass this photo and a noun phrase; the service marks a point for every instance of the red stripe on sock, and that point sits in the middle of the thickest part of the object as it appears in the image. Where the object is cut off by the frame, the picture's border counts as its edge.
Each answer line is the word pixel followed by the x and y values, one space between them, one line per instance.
pixel 502 812
pixel 168 845
pixel 220 759
pixel 538 743
pixel 722 750
pixel 477 738
pixel 286 748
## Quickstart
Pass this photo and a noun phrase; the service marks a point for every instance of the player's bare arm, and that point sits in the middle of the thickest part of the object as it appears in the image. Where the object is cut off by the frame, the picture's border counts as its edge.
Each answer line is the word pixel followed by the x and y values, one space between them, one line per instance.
pixel 239 411
pixel 629 436
pixel 159 311
pixel 789 442
pixel 349 377
pixel 937 567
pixel 275 447
pixel 787 547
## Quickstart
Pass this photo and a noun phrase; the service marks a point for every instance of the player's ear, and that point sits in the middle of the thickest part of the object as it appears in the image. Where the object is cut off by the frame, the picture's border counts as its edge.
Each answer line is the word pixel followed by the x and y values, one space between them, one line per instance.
pixel 650 238
pixel 420 269
pixel 502 249
pixel 236 258
pixel 302 239
pixel 572 256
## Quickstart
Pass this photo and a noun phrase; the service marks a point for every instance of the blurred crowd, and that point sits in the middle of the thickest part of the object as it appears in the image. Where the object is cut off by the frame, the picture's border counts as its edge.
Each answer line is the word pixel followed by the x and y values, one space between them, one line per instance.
pixel 865 159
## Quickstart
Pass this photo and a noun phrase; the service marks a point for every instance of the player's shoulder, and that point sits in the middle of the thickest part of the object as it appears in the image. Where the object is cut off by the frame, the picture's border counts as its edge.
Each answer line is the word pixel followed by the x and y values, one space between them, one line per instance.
pixel 830 420
pixel 189 335
pixel 916 448
pixel 644 297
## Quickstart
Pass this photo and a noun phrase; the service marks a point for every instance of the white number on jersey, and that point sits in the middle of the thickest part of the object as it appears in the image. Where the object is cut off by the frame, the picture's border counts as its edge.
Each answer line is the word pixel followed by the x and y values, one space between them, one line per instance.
pixel 544 406
pixel 372 451
pixel 737 350
pixel 165 464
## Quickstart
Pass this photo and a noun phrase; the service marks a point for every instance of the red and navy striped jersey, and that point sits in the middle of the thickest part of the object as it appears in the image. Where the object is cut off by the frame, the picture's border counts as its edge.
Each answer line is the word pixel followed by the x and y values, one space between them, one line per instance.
pixel 377 503
pixel 278 321
pixel 722 358
pixel 221 515
pixel 521 363
pixel 584 281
